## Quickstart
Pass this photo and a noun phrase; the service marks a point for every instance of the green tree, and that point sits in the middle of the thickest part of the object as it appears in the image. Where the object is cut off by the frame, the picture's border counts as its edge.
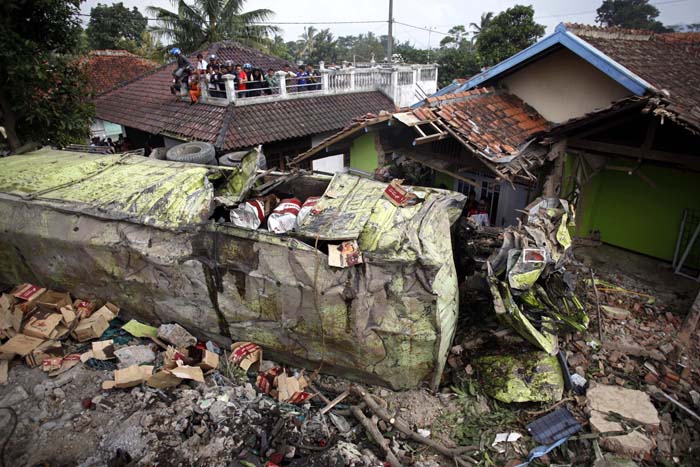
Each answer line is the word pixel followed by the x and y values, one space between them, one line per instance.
pixel 205 21
pixel 508 33
pixel 457 59
pixel 277 47
pixel 42 92
pixel 483 24
pixel 630 14
pixel 456 35
pixel 115 27
pixel 151 48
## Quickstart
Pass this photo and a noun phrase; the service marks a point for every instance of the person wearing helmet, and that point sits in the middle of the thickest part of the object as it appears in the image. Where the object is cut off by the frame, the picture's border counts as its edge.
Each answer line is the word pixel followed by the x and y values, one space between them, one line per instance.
pixel 181 74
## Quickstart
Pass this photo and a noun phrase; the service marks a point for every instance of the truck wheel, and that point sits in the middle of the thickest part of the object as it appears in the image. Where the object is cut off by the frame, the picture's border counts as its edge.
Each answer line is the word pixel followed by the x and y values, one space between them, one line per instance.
pixel 194 153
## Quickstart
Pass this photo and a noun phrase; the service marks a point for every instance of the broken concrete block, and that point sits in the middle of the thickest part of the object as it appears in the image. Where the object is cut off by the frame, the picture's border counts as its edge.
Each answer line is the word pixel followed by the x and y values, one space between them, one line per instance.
pixel 631 404
pixel 134 355
pixel 615 312
pixel 176 335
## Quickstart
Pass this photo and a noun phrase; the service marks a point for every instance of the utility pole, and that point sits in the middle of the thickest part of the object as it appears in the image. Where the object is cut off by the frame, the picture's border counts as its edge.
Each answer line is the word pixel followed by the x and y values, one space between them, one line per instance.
pixel 390 38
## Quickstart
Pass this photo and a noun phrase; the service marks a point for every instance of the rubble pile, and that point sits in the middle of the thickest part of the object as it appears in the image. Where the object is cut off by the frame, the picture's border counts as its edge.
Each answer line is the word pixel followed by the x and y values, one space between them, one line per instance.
pixel 552 363
pixel 619 370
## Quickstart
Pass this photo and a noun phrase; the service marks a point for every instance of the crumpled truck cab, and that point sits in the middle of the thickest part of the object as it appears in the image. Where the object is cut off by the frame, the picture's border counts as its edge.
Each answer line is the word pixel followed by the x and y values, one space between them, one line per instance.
pixel 149 234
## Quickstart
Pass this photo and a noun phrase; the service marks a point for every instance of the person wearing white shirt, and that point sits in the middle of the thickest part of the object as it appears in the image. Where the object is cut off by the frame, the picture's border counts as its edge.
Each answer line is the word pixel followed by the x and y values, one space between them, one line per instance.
pixel 201 64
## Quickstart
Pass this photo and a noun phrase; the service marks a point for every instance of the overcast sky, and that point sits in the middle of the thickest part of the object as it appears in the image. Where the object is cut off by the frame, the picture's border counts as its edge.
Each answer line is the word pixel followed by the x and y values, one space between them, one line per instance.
pixel 439 15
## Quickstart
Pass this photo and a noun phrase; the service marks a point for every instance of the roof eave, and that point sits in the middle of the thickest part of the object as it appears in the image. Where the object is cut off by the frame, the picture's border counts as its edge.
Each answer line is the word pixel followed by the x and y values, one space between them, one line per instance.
pixel 578 46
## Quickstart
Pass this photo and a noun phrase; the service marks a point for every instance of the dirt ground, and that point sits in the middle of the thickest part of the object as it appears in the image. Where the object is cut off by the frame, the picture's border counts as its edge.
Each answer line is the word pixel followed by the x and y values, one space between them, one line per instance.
pixel 226 421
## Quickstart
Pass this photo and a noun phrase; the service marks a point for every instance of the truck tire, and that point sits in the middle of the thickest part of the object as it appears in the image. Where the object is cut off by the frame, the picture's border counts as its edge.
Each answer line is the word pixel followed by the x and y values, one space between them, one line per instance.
pixel 194 153
pixel 232 159
pixel 158 153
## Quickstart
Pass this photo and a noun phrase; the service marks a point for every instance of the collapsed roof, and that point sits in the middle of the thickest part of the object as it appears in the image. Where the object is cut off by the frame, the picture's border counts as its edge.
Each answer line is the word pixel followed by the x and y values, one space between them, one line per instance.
pixel 494 125
pixel 146 104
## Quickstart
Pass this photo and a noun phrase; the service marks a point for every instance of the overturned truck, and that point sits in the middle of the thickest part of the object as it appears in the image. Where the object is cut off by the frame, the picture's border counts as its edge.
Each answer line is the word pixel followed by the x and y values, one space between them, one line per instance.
pixel 148 235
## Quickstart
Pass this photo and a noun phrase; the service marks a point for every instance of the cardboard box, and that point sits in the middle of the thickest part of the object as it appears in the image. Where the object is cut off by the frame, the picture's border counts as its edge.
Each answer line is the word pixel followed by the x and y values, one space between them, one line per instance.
pixel 68 313
pixel 203 358
pixel 90 328
pixel 47 349
pixel 21 345
pixel 109 311
pixel 245 354
pixel 84 308
pixel 188 372
pixel 397 194
pixel 53 300
pixel 60 331
pixel 163 380
pixel 42 324
pixel 27 292
pixel 68 362
pixel 103 350
pixel 210 361
pixel 132 376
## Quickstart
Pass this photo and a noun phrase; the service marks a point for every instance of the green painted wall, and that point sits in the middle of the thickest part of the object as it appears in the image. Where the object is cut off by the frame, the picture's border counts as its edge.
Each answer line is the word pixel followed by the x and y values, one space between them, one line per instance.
pixel 363 154
pixel 631 214
pixel 447 180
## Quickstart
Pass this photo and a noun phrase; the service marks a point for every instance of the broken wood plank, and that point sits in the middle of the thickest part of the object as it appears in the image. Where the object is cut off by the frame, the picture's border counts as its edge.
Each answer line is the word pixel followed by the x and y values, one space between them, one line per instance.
pixel 457 454
pixel 334 402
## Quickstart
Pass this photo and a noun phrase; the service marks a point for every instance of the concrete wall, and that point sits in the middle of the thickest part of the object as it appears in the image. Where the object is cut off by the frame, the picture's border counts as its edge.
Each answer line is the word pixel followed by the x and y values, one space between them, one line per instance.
pixel 562 86
pixel 631 214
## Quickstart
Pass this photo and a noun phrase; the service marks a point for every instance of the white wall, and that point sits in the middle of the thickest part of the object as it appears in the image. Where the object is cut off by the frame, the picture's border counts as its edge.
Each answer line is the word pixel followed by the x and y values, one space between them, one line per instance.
pixel 562 85
pixel 330 164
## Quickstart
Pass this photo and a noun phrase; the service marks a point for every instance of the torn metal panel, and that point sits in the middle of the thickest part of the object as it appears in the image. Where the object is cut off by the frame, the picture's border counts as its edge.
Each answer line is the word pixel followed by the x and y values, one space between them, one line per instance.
pixel 388 321
pixel 531 290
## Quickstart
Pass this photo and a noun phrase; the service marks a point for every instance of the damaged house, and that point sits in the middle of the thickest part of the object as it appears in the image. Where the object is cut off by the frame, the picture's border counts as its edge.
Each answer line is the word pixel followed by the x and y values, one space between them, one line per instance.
pixel 286 122
pixel 612 116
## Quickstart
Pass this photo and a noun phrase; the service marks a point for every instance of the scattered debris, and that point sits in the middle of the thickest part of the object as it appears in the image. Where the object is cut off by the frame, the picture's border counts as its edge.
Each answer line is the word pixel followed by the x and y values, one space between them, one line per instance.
pixel 626 406
pixel 176 335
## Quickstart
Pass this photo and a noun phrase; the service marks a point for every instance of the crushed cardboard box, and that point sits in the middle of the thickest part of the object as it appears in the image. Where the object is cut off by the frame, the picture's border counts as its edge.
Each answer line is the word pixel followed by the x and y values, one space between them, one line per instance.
pixel 103 350
pixel 129 377
pixel 163 379
pixel 96 324
pixel 42 323
pixel 67 362
pixel 188 372
pixel 53 300
pixel 84 308
pixel 21 345
pixel 45 350
pixel 245 354
pixel 27 292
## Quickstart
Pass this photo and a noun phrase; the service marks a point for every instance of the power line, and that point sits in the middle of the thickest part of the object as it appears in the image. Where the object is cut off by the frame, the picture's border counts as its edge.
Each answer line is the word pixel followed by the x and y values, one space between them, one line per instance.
pixel 271 23
pixel 422 29
pixel 578 13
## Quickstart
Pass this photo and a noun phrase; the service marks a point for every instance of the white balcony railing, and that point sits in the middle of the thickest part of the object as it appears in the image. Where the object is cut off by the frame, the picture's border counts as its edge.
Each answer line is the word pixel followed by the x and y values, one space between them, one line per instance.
pixel 404 85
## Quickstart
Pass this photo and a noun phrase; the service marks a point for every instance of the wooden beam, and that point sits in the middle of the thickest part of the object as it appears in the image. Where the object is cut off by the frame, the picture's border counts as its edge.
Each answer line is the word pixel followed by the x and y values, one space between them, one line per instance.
pixel 689 160
pixel 651 133
pixel 429 138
